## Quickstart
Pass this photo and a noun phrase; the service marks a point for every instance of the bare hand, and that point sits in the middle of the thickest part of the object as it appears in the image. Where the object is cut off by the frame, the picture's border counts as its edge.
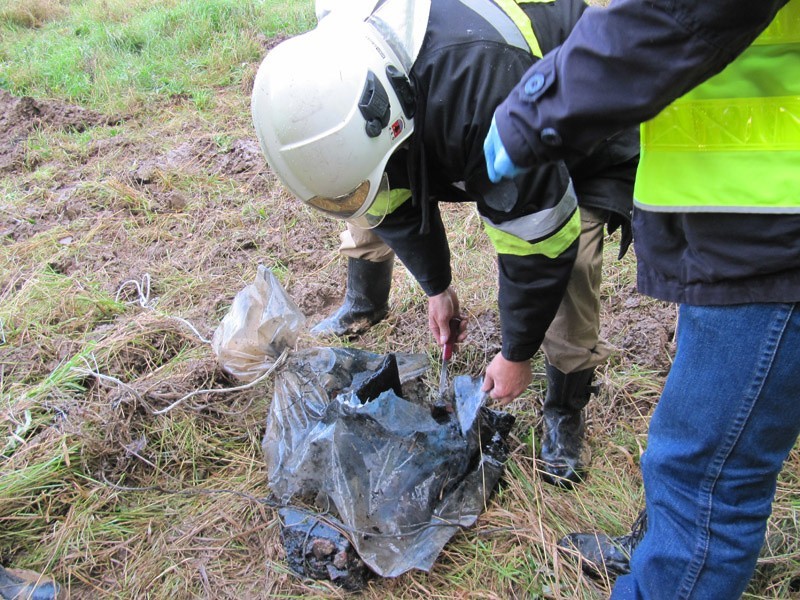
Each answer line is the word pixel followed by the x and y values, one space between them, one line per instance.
pixel 505 379
pixel 442 308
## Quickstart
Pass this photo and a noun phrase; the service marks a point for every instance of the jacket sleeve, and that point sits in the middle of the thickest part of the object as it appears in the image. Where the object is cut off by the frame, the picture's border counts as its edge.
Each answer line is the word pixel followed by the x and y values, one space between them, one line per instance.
pixel 534 226
pixel 425 255
pixel 600 82
pixel 529 293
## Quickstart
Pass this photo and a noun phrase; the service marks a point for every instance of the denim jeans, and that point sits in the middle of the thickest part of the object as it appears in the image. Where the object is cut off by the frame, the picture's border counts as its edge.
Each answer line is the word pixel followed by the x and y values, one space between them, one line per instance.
pixel 726 421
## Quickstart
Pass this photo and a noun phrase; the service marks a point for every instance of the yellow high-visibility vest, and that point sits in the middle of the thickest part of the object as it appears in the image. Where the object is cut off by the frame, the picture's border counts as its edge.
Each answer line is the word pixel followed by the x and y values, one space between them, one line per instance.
pixel 732 144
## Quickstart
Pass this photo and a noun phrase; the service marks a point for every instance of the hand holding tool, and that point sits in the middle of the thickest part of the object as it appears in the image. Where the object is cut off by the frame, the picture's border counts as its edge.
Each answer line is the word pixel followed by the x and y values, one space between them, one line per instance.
pixel 443 405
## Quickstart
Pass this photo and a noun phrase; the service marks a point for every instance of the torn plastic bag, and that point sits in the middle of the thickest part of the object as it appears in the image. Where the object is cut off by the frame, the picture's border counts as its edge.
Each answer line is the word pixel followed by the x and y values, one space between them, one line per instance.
pixel 262 322
pixel 377 465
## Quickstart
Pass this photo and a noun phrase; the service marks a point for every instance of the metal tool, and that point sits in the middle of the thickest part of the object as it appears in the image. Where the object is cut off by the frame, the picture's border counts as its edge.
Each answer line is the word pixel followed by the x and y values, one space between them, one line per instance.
pixel 443 405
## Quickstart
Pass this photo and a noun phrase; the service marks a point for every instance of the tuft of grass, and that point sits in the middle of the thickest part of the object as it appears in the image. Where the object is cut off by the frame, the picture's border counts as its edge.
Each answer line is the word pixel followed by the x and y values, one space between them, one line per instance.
pixel 30 13
pixel 51 303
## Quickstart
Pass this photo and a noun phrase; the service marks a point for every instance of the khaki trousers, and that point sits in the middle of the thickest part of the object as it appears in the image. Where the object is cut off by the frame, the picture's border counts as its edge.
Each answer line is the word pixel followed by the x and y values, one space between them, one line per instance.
pixel 363 244
pixel 573 342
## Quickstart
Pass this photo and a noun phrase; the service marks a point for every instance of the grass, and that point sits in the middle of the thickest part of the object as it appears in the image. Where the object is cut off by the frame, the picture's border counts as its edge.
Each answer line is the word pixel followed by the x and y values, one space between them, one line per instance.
pixel 123 245
pixel 120 55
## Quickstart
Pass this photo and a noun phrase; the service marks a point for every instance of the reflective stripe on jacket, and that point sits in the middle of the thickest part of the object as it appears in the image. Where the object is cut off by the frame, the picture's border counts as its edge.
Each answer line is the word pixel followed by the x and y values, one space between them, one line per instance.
pixel 739 129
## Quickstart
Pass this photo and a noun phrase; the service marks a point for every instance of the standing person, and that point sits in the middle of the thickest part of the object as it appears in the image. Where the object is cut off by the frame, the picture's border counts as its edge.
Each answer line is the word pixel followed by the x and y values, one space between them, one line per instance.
pixel 717 229
pixel 603 184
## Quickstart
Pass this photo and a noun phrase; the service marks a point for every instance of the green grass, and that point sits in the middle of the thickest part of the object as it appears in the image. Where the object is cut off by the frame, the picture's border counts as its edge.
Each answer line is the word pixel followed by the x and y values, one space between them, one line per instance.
pixel 119 55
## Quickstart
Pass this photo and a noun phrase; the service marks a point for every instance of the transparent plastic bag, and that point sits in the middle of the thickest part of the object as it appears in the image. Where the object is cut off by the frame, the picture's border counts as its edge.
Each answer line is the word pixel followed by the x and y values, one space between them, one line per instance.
pixel 398 479
pixel 357 443
pixel 262 322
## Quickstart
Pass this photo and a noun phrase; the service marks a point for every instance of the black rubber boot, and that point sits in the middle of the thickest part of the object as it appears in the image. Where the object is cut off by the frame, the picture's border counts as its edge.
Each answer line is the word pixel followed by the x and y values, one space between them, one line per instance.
pixel 18 584
pixel 562 434
pixel 604 556
pixel 366 300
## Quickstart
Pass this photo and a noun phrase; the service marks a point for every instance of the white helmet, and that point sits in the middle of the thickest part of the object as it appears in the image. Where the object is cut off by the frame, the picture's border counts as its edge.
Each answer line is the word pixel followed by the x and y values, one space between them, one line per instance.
pixel 330 107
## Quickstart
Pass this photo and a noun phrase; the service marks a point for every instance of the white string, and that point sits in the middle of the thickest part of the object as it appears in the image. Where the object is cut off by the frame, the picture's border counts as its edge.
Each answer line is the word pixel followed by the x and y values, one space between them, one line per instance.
pixel 108 378
pixel 95 372
pixel 143 300
pixel 193 328
pixel 142 292
pixel 278 363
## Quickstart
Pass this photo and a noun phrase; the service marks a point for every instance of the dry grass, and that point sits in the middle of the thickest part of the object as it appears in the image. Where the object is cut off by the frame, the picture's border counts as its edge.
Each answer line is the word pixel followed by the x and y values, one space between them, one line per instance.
pixel 114 241
pixel 31 13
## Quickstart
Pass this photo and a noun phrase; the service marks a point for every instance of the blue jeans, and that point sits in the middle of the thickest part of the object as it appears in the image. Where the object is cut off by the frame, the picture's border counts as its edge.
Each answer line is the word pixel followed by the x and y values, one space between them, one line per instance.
pixel 726 421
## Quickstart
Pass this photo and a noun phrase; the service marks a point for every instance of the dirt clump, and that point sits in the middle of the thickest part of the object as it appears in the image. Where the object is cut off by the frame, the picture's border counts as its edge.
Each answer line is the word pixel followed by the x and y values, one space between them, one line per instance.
pixel 19 117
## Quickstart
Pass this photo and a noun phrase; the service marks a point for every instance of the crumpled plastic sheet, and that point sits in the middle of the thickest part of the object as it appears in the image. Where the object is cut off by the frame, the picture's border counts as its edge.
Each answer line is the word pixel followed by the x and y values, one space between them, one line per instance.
pixel 262 321
pixel 398 481
pixel 355 435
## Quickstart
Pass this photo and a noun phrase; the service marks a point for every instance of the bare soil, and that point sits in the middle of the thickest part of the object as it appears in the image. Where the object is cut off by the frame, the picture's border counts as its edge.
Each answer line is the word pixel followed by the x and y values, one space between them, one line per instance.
pixel 197 253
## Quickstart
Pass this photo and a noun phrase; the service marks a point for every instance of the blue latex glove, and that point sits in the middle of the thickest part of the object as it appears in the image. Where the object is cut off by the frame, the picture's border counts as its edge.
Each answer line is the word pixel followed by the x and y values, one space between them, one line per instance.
pixel 498 162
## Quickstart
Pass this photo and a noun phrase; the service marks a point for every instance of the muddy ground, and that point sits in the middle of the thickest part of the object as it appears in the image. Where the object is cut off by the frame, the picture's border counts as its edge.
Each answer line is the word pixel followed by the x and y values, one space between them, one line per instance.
pixel 123 207
pixel 640 328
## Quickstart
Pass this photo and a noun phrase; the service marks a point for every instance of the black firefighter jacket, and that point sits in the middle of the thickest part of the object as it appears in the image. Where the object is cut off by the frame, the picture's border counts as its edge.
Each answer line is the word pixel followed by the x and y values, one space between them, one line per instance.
pixel 463 71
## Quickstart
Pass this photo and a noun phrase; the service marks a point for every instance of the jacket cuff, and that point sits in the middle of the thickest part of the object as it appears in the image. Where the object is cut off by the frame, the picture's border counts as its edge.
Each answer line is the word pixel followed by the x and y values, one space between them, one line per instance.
pixel 435 287
pixel 519 353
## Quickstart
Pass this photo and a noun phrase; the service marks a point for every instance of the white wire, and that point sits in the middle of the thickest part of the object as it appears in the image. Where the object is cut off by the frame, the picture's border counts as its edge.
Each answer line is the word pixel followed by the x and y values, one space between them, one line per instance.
pixel 238 388
pixel 108 378
pixel 142 292
pixel 143 300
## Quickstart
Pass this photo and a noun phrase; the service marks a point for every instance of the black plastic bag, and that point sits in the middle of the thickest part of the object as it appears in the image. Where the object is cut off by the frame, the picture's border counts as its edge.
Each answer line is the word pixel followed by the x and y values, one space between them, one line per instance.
pixel 396 481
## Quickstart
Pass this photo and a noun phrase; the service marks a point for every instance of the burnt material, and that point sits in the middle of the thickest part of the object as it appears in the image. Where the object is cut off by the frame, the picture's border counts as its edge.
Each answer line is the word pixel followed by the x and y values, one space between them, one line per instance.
pixel 387 377
pixel 316 550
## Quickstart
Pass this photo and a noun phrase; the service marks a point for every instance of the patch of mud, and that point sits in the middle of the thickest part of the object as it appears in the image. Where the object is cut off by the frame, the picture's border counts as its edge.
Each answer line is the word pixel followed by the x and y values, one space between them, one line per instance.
pixel 317 550
pixel 242 158
pixel 323 299
pixel 19 117
pixel 643 329
pixel 242 161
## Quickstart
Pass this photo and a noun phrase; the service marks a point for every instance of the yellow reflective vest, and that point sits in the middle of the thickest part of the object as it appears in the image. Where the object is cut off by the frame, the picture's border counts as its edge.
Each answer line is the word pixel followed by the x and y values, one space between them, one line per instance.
pixel 732 144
